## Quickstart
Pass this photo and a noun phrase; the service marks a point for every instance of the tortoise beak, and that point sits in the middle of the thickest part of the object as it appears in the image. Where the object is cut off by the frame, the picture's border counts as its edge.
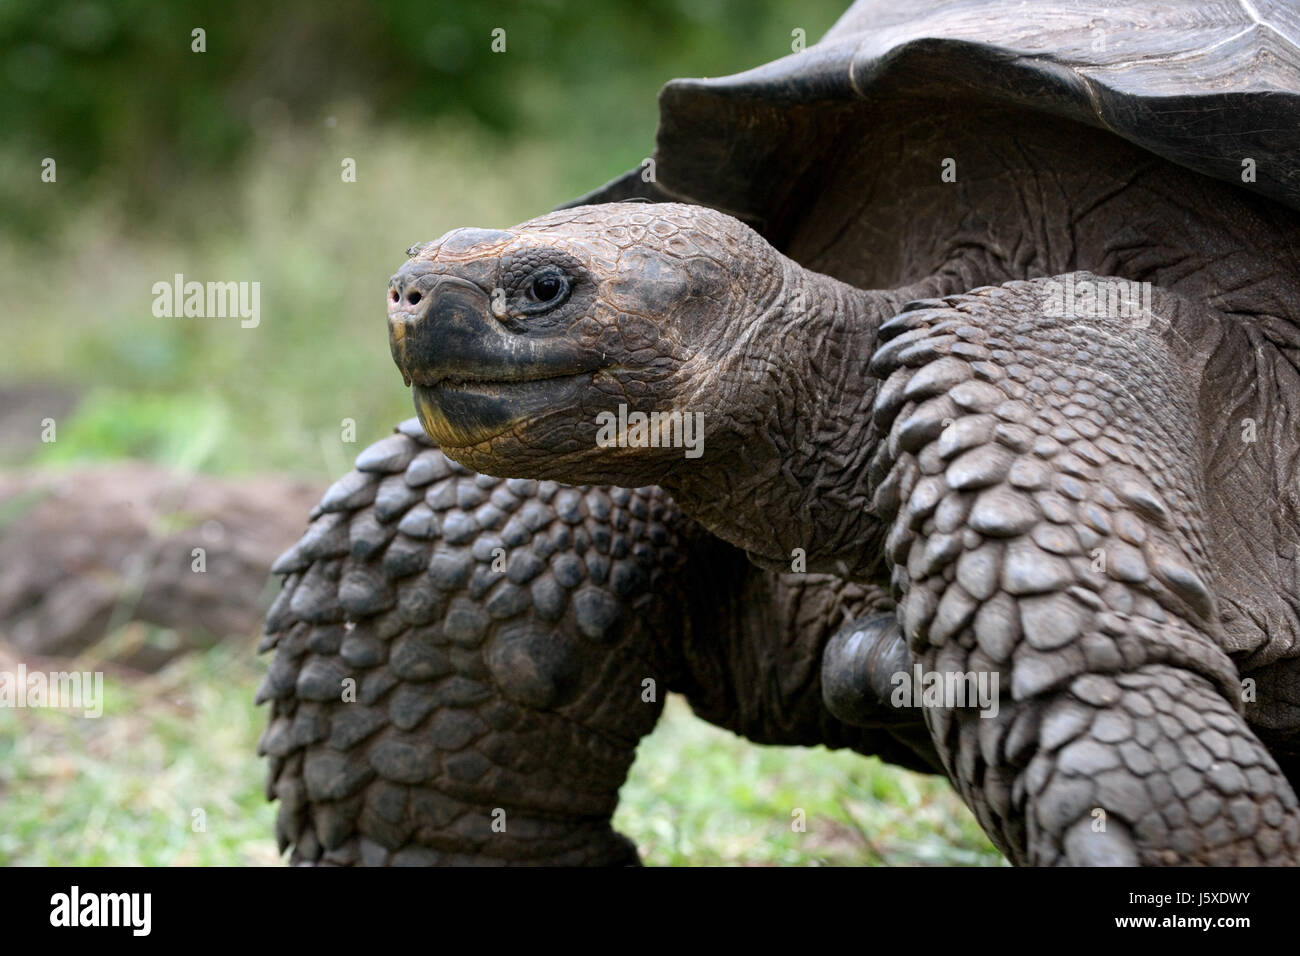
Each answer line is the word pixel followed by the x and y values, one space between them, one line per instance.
pixel 473 378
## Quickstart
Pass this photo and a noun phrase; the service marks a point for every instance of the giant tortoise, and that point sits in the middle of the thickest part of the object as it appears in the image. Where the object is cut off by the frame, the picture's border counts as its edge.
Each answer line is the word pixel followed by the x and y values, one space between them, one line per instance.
pixel 985 314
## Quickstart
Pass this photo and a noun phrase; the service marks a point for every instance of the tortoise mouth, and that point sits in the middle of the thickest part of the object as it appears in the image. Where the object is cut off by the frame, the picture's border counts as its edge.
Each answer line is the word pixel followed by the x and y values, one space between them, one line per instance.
pixel 458 412
pixel 474 379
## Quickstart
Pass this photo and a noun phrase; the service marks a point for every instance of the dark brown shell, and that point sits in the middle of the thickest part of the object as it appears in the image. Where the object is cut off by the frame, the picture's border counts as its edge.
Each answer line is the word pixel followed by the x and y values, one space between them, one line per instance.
pixel 1205 85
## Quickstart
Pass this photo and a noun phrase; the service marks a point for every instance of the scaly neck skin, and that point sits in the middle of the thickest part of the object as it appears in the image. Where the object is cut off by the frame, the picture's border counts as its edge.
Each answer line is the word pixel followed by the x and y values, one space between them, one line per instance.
pixel 787 426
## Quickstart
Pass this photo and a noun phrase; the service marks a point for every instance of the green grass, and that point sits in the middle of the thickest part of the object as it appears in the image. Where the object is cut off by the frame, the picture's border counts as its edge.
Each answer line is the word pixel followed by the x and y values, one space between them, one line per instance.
pixel 700 795
pixel 122 789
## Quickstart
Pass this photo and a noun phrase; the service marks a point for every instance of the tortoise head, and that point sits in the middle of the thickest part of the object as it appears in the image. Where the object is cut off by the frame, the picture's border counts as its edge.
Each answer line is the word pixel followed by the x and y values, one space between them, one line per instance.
pixel 588 345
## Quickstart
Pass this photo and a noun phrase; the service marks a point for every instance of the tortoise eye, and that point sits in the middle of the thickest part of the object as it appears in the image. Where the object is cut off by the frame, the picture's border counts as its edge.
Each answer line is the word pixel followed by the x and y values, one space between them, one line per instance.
pixel 546 289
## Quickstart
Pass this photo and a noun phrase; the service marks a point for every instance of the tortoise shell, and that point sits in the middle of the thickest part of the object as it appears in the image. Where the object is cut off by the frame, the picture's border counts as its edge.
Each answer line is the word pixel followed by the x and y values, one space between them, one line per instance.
pixel 1212 87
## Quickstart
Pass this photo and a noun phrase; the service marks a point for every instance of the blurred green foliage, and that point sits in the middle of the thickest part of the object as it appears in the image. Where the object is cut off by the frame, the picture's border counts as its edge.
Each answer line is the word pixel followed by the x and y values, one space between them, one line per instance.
pixel 225 166
pixel 112 90
pixel 207 393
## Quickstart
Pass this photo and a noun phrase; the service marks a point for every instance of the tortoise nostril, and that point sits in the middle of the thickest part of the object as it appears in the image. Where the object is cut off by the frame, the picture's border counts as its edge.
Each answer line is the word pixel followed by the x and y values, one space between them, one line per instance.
pixel 413 297
pixel 393 294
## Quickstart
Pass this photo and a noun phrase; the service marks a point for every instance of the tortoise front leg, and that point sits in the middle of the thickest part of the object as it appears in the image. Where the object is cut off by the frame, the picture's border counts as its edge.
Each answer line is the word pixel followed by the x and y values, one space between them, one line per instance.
pixel 1042 478
pixel 501 637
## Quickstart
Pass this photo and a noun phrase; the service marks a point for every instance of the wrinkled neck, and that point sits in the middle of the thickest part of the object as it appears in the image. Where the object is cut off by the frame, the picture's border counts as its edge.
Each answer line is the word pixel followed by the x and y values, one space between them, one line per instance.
pixel 789 434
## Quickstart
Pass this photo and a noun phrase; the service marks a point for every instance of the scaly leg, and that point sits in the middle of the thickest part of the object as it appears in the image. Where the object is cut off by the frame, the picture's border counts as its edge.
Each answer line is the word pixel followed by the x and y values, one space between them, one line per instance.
pixel 461 662
pixel 1041 477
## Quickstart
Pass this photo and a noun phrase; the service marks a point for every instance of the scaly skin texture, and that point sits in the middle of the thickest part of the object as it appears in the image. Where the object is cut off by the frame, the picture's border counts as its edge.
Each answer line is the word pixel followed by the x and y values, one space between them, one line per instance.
pixel 492 629
pixel 1047 525
pixel 499 634
pixel 1111 428
pixel 650 284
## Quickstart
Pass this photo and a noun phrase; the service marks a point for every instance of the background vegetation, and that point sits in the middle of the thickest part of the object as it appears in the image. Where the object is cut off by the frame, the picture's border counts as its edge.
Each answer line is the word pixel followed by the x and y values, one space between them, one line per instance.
pixel 225 165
